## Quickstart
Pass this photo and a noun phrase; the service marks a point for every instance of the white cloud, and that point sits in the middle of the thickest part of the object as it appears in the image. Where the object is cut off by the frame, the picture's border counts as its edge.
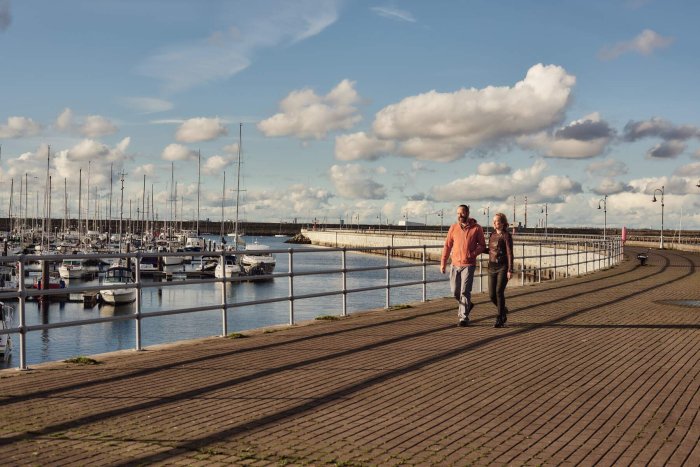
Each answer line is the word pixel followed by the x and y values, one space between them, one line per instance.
pixel 610 186
pixel 556 187
pixel 64 121
pixel 443 126
pixel 358 146
pixel 146 169
pixel 18 127
pixel 394 13
pixel 214 165
pixel 94 154
pixel 688 170
pixel 487 187
pixel 645 43
pixel 92 126
pixel 580 139
pixel 306 115
pixel 354 181
pixel 200 129
pixel 224 53
pixel 148 105
pixel 231 148
pixel 608 167
pixel 493 168
pixel 95 126
pixel 303 199
pixel 178 152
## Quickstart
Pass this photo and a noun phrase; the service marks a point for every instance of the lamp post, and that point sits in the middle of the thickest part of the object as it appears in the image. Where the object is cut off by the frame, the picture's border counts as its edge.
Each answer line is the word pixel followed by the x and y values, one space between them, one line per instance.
pixel 546 214
pixel 405 216
pixel 653 200
pixel 441 214
pixel 525 225
pixel 380 220
pixel 486 213
pixel 604 200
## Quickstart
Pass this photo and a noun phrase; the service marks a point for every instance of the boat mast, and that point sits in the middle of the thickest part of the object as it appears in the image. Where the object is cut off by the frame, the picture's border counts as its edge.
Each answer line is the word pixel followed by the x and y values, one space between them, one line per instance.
pixel 80 201
pixel 87 205
pixel 238 181
pixel 199 181
pixel 143 209
pixel 46 195
pixel 223 198
pixel 109 220
pixel 121 212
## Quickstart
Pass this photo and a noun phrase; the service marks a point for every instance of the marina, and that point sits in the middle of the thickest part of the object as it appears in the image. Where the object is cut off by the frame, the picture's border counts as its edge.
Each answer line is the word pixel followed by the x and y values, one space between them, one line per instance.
pixel 183 286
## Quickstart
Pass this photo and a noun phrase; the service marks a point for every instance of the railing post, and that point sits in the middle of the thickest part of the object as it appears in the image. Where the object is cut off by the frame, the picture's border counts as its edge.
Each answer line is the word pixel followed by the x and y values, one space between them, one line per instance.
pixel 586 250
pixel 567 259
pixel 137 317
pixel 224 322
pixel 425 274
pixel 522 267
pixel 291 286
pixel 554 244
pixel 345 282
pixel 578 258
pixel 388 280
pixel 539 275
pixel 22 317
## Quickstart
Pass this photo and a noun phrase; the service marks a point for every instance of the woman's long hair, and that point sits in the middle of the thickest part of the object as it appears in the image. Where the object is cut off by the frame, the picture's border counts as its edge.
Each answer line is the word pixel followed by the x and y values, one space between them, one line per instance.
pixel 504 220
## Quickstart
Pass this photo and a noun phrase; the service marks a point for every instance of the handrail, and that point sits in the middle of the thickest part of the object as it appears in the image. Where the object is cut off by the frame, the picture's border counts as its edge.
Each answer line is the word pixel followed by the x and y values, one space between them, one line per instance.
pixel 543 257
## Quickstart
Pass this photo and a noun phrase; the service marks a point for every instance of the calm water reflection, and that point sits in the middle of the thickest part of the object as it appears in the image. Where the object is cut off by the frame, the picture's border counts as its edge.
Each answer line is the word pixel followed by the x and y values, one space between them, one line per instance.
pixel 62 343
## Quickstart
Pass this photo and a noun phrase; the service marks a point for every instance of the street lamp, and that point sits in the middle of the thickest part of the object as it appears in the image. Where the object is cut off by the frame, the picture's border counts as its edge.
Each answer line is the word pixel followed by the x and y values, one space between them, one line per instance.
pixel 662 213
pixel 441 215
pixel 546 214
pixel 405 216
pixel 380 220
pixel 604 200
pixel 486 213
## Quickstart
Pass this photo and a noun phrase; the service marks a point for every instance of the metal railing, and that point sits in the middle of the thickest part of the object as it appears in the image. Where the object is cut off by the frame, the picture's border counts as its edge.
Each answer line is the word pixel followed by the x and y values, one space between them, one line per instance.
pixel 545 259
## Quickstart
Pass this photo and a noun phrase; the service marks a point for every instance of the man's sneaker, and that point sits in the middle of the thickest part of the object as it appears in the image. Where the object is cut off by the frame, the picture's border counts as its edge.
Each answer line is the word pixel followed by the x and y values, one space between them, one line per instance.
pixel 463 323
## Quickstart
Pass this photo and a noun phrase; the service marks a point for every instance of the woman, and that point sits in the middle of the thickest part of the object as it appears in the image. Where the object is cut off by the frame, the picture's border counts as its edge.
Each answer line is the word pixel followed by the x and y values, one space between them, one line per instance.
pixel 500 265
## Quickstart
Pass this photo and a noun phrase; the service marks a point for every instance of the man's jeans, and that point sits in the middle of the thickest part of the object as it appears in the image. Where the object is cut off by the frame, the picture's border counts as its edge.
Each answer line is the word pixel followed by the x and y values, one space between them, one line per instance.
pixel 461 280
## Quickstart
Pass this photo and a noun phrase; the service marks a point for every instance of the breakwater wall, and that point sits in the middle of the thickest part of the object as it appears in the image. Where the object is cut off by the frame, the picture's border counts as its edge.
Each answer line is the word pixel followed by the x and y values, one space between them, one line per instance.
pixel 547 258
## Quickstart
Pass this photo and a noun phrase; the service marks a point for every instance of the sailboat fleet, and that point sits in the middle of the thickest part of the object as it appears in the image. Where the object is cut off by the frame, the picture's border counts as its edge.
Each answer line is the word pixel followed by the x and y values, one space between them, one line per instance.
pixel 36 236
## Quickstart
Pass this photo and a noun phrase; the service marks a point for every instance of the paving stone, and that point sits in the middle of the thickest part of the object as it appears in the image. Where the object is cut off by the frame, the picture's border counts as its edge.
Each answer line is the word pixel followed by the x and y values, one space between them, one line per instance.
pixel 597 369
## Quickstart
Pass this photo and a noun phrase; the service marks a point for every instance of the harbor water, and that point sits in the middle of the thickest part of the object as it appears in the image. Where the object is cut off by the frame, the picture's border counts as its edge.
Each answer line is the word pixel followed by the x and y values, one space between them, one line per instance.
pixel 67 342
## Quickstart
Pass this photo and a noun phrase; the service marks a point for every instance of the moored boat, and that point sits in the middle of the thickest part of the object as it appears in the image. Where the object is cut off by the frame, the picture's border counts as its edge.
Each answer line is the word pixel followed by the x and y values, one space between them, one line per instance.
pixel 72 268
pixel 227 268
pixel 117 275
pixel 256 260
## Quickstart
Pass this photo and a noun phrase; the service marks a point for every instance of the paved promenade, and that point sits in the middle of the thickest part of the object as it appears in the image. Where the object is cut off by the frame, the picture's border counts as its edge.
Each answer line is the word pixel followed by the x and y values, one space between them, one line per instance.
pixel 598 370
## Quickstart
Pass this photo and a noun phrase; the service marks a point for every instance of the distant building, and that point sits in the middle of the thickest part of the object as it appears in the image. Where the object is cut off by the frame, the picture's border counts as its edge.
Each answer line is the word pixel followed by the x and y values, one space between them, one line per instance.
pixel 405 223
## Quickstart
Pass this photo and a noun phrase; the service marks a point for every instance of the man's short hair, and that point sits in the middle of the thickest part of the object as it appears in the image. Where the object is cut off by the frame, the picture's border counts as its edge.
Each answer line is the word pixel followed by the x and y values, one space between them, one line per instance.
pixel 464 206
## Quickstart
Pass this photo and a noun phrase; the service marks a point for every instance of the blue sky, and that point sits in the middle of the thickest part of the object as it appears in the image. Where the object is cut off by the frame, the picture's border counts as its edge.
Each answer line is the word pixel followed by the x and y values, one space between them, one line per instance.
pixel 357 109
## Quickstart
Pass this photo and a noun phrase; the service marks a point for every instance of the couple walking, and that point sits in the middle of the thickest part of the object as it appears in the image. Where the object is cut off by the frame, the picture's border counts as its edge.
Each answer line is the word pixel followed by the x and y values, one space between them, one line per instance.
pixel 464 243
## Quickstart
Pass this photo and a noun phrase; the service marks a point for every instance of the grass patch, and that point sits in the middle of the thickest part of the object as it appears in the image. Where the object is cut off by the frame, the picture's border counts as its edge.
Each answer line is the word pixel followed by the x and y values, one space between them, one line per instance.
pixel 236 335
pixel 327 318
pixel 82 361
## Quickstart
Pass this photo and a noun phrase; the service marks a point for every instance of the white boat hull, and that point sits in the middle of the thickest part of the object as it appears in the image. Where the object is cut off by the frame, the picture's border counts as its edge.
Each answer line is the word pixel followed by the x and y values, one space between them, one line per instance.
pixel 118 296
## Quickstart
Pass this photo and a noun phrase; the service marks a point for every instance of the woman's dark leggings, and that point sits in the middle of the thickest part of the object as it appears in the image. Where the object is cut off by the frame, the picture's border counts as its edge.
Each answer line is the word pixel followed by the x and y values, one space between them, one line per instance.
pixel 498 280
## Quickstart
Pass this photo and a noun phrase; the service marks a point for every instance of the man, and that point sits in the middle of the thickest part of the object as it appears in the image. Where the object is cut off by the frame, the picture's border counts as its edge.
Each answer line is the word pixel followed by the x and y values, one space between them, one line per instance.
pixel 465 241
